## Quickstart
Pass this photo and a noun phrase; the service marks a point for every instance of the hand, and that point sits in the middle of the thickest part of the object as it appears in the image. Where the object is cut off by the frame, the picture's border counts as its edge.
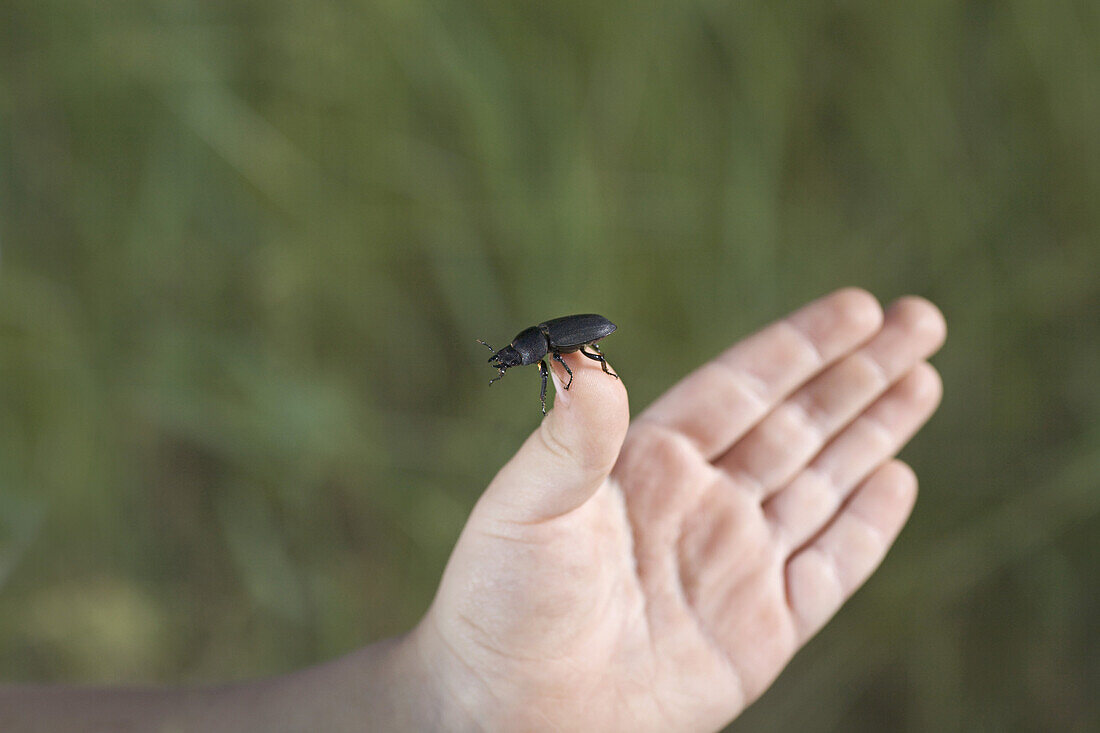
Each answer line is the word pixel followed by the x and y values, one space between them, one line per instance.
pixel 651 579
pixel 660 578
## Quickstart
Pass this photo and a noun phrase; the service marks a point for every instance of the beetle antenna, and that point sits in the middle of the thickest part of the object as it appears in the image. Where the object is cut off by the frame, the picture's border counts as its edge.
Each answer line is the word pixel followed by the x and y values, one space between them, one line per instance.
pixel 487 346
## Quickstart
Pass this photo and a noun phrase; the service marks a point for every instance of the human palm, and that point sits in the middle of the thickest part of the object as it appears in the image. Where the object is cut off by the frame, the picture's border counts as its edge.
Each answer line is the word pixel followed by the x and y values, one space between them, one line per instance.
pixel 663 580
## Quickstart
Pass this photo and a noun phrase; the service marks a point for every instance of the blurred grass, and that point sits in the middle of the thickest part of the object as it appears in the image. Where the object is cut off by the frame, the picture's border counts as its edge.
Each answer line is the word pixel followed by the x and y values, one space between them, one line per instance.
pixel 245 250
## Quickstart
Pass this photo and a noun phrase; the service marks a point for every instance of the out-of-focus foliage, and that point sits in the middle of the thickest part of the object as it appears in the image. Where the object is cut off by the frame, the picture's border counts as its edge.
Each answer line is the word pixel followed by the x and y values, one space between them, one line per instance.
pixel 247 247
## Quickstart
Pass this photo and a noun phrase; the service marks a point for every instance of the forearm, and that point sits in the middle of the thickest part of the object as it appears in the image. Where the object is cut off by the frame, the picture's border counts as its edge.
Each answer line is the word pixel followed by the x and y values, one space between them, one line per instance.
pixel 385 686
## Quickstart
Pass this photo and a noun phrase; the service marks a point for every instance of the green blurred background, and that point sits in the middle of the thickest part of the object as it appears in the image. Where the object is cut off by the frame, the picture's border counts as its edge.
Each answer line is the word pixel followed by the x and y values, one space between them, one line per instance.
pixel 245 250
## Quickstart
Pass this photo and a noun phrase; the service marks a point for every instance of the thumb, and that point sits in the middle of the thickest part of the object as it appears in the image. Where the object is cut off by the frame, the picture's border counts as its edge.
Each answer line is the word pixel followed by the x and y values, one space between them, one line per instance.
pixel 560 466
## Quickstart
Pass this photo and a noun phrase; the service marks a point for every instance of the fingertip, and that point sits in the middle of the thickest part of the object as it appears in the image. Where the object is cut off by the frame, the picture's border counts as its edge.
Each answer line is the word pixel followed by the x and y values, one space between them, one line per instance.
pixel 594 409
pixel 900 484
pixel 924 384
pixel 570 454
pixel 839 321
pixel 596 383
pixel 858 308
pixel 920 316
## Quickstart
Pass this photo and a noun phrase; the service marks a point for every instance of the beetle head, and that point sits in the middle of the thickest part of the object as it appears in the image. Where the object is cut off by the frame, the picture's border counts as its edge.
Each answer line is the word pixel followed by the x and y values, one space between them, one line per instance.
pixel 506 358
pixel 502 360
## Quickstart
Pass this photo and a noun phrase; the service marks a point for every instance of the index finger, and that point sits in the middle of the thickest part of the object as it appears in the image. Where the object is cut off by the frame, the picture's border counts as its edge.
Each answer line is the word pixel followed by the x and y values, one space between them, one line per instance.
pixel 718 402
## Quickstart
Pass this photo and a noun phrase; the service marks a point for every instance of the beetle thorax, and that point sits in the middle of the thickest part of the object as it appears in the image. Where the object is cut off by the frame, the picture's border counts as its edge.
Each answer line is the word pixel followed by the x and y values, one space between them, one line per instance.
pixel 530 345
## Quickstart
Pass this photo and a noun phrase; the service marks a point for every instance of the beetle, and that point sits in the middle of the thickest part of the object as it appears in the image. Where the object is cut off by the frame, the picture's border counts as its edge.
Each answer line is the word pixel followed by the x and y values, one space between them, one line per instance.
pixel 555 337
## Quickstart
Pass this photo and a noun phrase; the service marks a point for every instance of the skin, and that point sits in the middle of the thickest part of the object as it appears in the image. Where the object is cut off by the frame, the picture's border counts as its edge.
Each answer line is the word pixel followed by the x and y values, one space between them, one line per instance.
pixel 655 575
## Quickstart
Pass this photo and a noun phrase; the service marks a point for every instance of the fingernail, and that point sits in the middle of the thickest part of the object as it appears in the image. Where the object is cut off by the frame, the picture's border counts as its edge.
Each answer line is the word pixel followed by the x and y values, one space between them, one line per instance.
pixel 561 394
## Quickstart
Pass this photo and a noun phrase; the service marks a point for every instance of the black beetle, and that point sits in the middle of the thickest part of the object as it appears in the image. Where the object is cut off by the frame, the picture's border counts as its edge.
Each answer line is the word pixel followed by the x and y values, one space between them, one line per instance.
pixel 555 337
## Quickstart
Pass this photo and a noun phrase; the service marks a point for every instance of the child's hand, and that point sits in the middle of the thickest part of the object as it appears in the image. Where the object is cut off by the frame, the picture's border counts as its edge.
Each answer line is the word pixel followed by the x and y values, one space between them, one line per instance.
pixel 661 577
pixel 656 579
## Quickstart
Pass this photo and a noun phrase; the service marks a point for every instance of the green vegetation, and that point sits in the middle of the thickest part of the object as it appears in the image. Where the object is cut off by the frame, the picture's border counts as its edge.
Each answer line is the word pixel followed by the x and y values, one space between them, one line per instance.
pixel 247 247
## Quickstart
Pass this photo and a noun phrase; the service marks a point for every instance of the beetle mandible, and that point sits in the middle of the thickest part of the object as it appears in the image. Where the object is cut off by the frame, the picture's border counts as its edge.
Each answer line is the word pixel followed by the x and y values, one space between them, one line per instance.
pixel 555 337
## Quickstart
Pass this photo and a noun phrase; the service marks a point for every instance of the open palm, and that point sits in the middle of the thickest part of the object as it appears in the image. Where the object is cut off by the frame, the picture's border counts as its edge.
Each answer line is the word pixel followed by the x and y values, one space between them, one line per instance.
pixel 661 577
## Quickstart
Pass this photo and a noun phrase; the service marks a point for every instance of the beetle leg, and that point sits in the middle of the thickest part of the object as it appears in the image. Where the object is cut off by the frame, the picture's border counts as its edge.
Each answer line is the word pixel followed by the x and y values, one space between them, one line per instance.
pixel 558 359
pixel 598 356
pixel 542 394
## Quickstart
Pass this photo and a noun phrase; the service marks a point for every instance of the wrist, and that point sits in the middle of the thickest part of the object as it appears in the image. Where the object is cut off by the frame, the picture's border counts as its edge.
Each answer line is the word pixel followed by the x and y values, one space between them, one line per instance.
pixel 392 685
pixel 459 696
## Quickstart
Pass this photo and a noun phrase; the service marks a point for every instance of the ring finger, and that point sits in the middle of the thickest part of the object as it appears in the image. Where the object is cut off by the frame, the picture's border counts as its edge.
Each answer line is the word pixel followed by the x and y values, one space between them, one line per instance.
pixel 799 510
